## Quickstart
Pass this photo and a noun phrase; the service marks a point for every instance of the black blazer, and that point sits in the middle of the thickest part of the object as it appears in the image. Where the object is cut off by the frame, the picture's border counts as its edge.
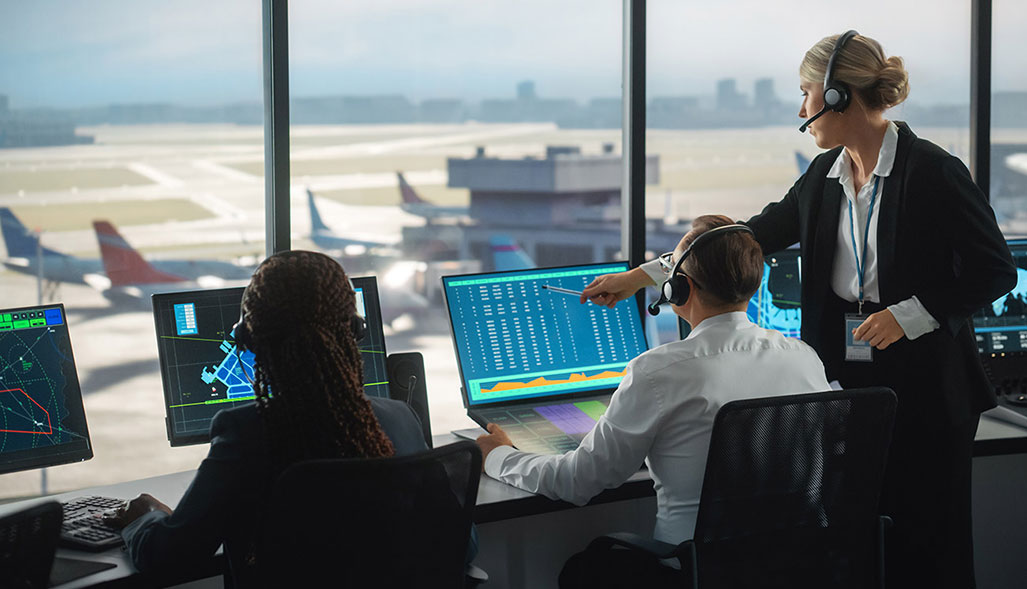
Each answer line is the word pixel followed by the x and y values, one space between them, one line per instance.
pixel 936 239
pixel 222 504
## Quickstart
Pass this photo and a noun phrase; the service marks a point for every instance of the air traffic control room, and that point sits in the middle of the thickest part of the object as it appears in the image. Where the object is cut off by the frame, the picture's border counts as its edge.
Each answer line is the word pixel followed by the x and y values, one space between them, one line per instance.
pixel 567 293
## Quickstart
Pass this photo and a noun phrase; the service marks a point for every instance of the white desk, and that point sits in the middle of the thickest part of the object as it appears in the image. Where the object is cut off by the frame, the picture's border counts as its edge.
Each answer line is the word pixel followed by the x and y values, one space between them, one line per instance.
pixel 525 538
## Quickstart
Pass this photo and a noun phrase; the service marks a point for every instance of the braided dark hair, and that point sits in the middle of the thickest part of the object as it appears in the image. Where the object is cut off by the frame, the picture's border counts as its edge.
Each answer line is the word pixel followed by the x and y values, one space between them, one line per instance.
pixel 309 373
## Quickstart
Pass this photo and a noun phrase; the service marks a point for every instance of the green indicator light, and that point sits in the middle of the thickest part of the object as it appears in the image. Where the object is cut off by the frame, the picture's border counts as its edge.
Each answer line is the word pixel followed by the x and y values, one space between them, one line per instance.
pixel 7 318
pixel 37 322
pixel 21 324
pixel 6 326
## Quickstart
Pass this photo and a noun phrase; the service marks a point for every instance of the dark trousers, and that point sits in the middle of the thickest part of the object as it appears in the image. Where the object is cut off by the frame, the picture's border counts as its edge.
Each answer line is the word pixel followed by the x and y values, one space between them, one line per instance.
pixel 617 569
pixel 927 479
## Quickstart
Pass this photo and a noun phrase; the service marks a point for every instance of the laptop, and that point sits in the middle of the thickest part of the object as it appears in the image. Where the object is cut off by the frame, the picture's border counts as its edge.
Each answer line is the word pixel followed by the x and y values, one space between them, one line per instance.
pixel 535 360
pixel 201 371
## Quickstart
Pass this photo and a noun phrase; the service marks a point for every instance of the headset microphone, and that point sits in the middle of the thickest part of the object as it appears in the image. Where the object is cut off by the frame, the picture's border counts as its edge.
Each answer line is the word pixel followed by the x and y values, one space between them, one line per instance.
pixel 654 307
pixel 802 129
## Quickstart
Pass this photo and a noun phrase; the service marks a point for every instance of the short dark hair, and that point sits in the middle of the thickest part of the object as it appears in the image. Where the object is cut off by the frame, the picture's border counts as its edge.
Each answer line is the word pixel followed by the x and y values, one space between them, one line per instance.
pixel 728 269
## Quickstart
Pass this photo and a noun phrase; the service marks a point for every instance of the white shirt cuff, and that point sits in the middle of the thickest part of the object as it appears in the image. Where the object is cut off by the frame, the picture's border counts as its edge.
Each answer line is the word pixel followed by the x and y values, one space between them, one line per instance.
pixel 655 272
pixel 494 461
pixel 913 317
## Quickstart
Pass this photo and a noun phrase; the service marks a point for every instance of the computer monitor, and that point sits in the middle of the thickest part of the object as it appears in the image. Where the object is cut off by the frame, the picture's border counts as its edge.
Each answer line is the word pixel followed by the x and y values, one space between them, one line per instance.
pixel 201 371
pixel 516 340
pixel 1001 327
pixel 776 304
pixel 42 421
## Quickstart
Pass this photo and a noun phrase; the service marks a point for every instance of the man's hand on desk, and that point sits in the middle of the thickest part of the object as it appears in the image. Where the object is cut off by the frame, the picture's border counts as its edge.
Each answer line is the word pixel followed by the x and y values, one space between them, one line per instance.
pixel 492 440
pixel 133 510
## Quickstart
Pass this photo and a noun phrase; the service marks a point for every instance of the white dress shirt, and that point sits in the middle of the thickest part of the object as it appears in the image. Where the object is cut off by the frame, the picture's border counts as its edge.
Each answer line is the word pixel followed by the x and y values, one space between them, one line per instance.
pixel 910 313
pixel 663 412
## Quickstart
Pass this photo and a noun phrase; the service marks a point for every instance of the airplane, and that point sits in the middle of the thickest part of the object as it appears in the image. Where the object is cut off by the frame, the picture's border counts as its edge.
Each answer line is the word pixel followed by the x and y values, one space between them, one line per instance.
pixel 415 205
pixel 132 278
pixel 802 162
pixel 507 255
pixel 24 252
pixel 326 239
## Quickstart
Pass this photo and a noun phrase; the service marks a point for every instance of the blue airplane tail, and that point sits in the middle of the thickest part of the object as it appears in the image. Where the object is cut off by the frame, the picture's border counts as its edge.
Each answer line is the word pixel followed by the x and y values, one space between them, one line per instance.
pixel 316 224
pixel 20 242
pixel 507 255
pixel 801 162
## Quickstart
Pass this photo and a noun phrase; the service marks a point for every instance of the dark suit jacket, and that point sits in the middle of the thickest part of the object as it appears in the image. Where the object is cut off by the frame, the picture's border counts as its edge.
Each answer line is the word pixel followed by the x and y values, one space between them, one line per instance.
pixel 936 239
pixel 222 505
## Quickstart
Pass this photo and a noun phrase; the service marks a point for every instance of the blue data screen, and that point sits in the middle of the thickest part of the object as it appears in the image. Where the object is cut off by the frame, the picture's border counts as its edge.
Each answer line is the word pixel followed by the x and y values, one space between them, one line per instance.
pixel 776 304
pixel 516 339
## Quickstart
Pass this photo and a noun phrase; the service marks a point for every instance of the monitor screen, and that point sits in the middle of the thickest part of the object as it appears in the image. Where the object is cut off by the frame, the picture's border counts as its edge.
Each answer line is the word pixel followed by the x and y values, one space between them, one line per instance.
pixel 1001 327
pixel 517 340
pixel 201 371
pixel 42 421
pixel 776 304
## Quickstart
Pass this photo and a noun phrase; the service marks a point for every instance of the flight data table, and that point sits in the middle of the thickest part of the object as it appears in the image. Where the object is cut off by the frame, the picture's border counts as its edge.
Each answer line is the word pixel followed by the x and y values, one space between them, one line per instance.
pixel 517 339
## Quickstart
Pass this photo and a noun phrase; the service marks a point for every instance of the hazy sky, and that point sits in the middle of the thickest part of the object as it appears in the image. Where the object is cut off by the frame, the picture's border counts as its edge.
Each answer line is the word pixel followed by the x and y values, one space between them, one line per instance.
pixel 77 52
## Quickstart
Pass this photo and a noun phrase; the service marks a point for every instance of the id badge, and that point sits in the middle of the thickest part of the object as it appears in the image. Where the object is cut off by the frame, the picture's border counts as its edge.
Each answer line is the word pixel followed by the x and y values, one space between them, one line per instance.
pixel 856 350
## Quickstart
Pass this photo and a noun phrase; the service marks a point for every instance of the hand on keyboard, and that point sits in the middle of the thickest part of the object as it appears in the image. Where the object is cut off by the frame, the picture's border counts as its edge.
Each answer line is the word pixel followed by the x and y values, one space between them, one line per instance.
pixel 133 510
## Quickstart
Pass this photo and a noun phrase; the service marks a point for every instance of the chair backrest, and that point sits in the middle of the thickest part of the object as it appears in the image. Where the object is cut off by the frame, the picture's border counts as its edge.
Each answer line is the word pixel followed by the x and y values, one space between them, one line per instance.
pixel 385 522
pixel 791 490
pixel 28 541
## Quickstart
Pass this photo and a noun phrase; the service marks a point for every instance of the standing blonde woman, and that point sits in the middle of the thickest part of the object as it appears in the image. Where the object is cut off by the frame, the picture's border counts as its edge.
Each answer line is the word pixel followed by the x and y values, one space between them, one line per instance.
pixel 899 248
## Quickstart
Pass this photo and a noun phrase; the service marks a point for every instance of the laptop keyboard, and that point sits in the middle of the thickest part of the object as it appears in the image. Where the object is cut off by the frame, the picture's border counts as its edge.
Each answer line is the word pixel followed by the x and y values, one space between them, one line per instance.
pixel 546 429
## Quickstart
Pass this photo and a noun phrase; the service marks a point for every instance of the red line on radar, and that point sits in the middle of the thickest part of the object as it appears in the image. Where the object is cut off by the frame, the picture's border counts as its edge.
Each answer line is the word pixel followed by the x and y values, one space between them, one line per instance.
pixel 49 426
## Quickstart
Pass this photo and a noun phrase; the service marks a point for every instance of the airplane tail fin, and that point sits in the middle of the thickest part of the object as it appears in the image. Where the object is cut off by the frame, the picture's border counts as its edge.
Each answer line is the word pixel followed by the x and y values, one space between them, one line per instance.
pixel 122 263
pixel 407 192
pixel 316 224
pixel 20 242
pixel 801 162
pixel 507 255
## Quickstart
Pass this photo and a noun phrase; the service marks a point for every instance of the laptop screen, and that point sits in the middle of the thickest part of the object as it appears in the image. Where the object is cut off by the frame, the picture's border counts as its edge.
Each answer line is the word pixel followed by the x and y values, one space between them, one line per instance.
pixel 42 420
pixel 201 371
pixel 1001 327
pixel 517 340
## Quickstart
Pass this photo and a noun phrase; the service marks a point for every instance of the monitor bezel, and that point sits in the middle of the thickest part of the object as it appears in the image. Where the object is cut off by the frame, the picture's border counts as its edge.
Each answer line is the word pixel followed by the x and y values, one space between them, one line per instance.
pixel 465 397
pixel 369 285
pixel 71 456
pixel 183 439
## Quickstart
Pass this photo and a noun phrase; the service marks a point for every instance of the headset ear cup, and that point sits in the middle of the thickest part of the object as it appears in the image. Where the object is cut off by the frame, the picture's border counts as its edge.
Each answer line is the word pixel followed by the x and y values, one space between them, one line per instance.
pixel 358 325
pixel 241 334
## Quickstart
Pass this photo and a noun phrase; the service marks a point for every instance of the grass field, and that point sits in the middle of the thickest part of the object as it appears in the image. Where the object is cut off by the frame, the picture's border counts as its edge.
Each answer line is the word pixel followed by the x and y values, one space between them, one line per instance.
pixel 71 216
pixel 50 179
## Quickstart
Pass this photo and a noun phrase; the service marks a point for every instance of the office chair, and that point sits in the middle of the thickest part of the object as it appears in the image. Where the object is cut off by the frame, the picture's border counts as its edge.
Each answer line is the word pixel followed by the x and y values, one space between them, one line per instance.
pixel 28 542
pixel 790 495
pixel 384 522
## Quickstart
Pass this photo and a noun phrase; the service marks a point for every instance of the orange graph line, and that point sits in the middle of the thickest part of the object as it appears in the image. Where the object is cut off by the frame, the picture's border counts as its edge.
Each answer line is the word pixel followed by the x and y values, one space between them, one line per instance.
pixel 542 381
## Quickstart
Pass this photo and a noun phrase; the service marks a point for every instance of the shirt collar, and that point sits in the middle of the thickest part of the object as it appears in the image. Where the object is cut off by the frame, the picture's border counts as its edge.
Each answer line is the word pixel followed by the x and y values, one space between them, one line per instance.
pixel 732 320
pixel 842 168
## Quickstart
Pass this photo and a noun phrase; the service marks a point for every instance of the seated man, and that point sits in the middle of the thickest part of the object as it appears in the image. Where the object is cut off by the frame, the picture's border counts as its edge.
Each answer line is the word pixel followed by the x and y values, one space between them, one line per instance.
pixel 663 410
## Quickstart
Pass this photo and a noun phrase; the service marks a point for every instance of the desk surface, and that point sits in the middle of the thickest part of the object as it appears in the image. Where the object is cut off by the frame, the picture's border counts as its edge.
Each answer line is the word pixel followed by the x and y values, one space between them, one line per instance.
pixel 496 501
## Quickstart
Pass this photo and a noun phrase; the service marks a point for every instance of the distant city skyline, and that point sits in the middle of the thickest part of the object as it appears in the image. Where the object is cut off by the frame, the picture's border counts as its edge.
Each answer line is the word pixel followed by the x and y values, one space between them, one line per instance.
pixel 73 54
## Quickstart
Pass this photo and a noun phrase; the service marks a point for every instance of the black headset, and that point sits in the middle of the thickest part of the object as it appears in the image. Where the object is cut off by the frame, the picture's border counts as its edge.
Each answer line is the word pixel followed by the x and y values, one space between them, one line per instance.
pixel 675 289
pixel 837 95
pixel 244 339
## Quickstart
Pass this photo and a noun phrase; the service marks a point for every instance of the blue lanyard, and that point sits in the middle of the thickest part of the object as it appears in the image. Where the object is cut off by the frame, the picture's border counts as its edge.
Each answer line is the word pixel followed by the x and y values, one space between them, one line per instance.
pixel 860 268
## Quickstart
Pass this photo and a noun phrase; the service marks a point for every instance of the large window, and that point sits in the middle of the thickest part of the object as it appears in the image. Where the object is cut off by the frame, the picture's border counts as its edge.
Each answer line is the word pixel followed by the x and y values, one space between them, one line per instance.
pixel 129 113
pixel 431 135
pixel 1009 118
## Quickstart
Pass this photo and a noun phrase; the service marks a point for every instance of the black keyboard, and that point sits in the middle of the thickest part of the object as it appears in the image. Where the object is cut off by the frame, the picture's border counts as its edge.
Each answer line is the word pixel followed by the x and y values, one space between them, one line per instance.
pixel 83 527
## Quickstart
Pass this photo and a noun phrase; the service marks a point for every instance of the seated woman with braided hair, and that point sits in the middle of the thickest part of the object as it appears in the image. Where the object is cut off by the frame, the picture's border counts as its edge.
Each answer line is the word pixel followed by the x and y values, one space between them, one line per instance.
pixel 299 319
